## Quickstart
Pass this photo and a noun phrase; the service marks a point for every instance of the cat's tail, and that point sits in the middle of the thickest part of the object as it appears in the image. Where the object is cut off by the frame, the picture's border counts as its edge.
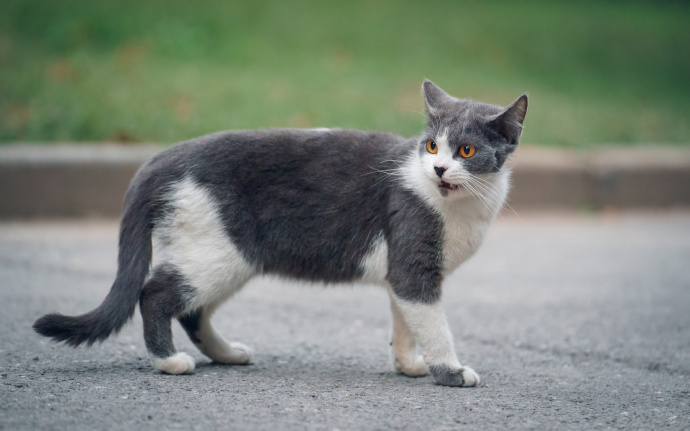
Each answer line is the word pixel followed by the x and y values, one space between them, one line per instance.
pixel 134 259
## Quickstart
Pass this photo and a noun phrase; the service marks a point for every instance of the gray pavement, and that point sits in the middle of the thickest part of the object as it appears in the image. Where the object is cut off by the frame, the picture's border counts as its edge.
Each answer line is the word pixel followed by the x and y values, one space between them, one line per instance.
pixel 573 322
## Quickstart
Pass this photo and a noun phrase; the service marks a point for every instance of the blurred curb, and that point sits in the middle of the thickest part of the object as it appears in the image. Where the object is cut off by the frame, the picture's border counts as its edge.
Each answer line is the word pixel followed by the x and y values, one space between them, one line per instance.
pixel 67 181
pixel 634 177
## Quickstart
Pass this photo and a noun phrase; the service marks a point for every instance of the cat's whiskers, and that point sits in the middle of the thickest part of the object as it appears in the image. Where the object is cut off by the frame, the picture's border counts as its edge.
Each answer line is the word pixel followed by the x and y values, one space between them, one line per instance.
pixel 396 162
pixel 398 165
pixel 497 193
pixel 379 171
pixel 386 173
pixel 485 185
pixel 491 199
pixel 484 200
pixel 464 180
pixel 489 183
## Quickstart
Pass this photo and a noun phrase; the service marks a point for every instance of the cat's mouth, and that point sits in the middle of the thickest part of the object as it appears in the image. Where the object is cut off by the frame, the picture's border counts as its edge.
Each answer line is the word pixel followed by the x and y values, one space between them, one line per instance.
pixel 448 186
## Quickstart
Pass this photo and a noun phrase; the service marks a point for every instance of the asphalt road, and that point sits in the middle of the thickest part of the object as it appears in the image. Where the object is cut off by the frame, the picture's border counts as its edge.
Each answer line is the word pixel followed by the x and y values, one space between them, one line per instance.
pixel 572 321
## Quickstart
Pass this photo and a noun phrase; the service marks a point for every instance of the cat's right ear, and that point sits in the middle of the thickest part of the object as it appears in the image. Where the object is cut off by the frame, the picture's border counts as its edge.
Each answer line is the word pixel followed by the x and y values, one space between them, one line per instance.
pixel 434 97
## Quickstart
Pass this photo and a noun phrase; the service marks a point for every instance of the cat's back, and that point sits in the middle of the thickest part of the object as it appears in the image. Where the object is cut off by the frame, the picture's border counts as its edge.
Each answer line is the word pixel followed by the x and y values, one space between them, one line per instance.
pixel 249 150
pixel 263 155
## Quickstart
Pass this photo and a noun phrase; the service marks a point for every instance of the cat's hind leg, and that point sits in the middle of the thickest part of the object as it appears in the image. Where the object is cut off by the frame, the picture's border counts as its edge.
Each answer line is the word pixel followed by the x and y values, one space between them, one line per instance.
pixel 198 326
pixel 195 238
pixel 404 354
pixel 162 299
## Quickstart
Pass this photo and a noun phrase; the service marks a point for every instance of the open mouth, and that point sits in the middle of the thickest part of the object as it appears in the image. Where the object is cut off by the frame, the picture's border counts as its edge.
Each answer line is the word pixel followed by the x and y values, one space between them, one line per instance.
pixel 448 186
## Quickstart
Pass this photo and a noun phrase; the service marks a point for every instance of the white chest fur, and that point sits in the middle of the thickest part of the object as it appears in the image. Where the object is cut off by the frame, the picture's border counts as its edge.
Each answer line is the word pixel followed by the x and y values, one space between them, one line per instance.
pixel 465 223
pixel 467 220
pixel 464 230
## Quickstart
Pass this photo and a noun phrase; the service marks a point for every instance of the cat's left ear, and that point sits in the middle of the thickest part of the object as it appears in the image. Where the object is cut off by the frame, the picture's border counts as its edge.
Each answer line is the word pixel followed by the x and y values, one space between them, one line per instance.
pixel 434 97
pixel 509 122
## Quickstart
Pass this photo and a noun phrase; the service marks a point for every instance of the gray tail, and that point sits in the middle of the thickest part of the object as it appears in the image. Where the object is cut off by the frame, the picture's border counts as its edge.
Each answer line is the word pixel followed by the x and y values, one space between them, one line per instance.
pixel 134 258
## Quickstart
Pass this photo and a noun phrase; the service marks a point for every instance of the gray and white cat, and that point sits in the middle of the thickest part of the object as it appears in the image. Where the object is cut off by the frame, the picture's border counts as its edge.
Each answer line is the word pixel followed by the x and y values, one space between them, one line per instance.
pixel 204 217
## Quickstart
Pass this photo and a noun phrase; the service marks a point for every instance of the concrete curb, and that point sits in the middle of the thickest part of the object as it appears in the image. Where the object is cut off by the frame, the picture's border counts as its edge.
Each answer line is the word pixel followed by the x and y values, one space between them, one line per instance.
pixel 63 181
pixel 651 177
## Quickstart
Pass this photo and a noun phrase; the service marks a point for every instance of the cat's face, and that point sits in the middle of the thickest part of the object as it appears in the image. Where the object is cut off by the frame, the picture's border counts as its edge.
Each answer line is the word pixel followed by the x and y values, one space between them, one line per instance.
pixel 466 140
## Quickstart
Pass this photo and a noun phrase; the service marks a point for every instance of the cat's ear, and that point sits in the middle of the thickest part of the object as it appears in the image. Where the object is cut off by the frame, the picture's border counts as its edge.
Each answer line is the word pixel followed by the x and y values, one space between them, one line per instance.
pixel 434 97
pixel 509 122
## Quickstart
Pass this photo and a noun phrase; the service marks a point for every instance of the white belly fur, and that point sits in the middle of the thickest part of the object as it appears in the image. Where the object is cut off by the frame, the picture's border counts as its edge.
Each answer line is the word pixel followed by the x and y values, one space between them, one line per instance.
pixel 192 239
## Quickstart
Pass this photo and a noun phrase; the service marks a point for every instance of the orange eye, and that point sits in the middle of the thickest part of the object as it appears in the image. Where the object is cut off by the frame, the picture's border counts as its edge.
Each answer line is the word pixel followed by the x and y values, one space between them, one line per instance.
pixel 467 151
pixel 431 146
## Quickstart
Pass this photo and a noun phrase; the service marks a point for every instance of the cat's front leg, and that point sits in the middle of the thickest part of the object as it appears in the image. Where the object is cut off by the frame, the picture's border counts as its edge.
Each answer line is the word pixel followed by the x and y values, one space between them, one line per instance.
pixel 428 324
pixel 404 354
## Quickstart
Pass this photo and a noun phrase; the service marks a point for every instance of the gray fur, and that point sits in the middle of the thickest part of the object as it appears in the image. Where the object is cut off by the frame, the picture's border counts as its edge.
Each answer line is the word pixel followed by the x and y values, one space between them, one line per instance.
pixel 447 376
pixel 190 323
pixel 415 248
pixel 301 204
pixel 162 299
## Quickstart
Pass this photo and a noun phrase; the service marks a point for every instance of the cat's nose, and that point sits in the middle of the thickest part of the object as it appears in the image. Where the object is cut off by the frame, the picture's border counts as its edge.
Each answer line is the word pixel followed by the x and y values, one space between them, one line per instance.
pixel 439 171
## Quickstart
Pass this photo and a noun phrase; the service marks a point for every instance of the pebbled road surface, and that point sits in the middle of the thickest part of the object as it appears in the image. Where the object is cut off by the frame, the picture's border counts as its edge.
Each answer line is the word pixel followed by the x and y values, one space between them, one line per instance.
pixel 572 321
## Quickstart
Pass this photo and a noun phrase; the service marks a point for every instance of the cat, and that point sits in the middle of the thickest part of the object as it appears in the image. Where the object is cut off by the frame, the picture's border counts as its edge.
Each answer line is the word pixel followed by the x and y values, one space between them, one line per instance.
pixel 205 216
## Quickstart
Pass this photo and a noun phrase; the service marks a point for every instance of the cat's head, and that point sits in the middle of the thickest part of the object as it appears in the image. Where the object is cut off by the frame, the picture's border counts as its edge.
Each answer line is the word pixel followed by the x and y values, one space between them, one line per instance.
pixel 465 139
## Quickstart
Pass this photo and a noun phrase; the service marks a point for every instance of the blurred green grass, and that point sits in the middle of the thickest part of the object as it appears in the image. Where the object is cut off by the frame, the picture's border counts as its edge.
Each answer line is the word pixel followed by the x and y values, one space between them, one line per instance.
pixel 155 70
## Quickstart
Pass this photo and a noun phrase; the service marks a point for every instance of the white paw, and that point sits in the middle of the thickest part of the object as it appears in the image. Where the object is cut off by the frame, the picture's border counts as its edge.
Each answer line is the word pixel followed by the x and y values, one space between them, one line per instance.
pixel 233 354
pixel 179 363
pixel 416 369
pixel 470 377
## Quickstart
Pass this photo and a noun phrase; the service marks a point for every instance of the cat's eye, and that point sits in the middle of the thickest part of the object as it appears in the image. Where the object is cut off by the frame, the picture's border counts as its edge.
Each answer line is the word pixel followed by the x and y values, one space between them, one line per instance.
pixel 431 146
pixel 467 151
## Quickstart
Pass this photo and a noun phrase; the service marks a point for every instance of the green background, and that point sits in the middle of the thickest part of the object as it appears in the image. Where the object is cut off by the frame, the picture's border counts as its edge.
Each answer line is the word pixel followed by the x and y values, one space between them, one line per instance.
pixel 165 71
